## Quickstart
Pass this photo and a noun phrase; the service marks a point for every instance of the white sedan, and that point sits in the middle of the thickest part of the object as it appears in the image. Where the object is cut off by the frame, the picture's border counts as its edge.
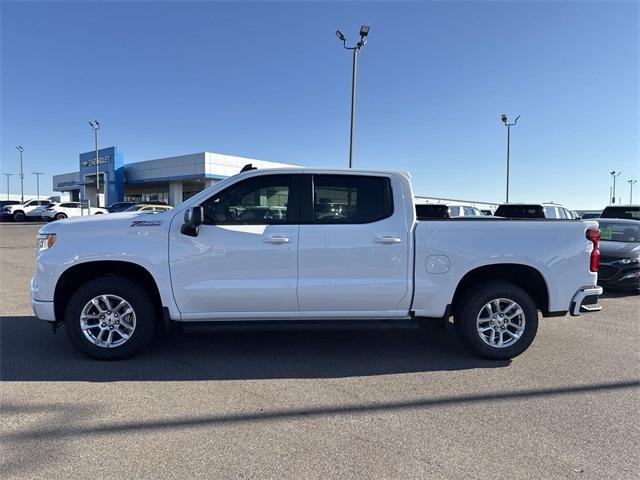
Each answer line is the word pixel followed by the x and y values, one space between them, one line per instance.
pixel 59 211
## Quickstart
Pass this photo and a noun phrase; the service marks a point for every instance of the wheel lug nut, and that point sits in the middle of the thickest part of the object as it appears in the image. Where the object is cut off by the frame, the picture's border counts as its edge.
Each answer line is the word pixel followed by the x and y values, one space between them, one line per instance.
pixel 117 323
pixel 102 324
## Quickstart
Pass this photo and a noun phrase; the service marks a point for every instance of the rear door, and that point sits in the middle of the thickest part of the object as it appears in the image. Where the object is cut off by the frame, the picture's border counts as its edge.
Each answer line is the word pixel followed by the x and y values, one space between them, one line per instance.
pixel 354 248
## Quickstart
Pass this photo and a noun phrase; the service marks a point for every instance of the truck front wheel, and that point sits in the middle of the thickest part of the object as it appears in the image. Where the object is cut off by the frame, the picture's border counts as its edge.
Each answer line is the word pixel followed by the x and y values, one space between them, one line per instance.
pixel 110 318
pixel 496 320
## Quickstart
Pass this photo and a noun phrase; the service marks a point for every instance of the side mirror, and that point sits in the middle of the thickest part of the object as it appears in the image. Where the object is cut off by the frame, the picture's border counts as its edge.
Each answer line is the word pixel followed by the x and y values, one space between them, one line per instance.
pixel 192 220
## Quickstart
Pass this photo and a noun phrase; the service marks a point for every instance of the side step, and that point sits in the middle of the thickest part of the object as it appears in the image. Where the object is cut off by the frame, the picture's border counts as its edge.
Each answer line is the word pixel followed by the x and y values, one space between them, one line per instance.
pixel 593 307
pixel 295 325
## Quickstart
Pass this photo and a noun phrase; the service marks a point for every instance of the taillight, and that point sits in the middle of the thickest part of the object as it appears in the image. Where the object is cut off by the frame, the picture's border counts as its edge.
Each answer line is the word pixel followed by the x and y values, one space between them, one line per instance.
pixel 593 234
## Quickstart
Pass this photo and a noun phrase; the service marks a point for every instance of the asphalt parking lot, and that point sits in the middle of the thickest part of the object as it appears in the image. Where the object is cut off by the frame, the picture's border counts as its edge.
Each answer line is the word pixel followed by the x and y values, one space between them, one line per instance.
pixel 317 404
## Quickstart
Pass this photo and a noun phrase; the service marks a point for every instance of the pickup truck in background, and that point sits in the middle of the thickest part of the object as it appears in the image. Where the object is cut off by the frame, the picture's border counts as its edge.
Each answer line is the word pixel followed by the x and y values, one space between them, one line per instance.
pixel 309 246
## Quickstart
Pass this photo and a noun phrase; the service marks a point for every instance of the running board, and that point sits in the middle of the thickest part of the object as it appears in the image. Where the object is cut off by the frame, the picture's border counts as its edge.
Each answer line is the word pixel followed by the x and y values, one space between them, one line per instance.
pixel 296 325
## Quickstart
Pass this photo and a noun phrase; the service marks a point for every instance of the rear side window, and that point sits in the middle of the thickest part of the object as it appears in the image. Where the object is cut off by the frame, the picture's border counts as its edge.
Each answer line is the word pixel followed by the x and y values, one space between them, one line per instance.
pixel 456 211
pixel 550 212
pixel 351 199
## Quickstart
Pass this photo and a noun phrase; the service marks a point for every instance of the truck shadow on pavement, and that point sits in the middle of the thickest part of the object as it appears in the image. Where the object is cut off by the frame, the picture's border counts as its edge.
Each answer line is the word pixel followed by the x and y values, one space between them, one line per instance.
pixel 30 352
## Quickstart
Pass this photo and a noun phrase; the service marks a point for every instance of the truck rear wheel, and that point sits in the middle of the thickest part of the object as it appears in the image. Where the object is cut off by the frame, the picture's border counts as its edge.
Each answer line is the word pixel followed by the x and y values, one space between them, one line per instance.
pixel 496 320
pixel 110 318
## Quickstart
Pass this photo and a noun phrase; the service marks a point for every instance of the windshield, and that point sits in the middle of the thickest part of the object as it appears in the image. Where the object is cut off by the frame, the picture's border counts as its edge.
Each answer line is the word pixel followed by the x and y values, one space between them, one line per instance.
pixel 432 211
pixel 619 231
pixel 630 212
pixel 520 211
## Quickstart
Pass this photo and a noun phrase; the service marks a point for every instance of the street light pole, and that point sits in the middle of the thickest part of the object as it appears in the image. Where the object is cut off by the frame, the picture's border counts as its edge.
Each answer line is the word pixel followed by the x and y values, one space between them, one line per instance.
pixel 508 125
pixel 8 175
pixel 96 126
pixel 614 174
pixel 364 31
pixel 37 174
pixel 20 149
pixel 631 184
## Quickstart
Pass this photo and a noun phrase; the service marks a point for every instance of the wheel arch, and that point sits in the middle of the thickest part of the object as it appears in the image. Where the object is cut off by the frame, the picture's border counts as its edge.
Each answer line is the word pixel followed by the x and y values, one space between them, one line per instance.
pixel 75 276
pixel 524 276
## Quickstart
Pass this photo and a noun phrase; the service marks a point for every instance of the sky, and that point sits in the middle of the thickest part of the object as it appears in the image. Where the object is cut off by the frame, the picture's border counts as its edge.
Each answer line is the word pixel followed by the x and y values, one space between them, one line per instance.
pixel 270 80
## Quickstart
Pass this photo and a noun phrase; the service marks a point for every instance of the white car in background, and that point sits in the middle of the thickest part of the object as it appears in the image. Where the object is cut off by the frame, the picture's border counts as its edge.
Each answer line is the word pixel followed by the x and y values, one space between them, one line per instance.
pixel 58 211
pixel 29 210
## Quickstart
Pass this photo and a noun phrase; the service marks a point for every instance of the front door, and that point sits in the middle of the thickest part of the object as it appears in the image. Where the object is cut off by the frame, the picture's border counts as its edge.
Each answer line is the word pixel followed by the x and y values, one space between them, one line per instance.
pixel 243 263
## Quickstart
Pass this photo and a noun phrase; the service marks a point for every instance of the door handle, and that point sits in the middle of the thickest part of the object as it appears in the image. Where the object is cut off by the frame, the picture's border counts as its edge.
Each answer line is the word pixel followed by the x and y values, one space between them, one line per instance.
pixel 277 240
pixel 388 239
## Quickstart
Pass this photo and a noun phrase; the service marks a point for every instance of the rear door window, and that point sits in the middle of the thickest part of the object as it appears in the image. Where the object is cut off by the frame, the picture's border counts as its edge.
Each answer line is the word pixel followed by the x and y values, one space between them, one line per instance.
pixel 351 199
pixel 455 211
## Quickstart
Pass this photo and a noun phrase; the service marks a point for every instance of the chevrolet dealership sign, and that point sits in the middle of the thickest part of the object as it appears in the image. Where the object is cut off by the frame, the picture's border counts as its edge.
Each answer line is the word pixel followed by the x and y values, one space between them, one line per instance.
pixel 92 163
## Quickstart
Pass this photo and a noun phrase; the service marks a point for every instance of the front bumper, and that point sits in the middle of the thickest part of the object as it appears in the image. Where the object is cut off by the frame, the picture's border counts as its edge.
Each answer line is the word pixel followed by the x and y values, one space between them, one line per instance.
pixel 43 310
pixel 586 301
pixel 627 279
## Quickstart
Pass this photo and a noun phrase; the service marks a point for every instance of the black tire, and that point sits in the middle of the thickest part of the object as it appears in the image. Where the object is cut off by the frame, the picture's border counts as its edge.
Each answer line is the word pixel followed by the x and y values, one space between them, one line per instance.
pixel 128 290
pixel 19 216
pixel 60 216
pixel 98 213
pixel 471 305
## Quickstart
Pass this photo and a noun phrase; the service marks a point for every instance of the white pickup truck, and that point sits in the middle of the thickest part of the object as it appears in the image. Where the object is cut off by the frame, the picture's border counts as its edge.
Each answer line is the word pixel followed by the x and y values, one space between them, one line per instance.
pixel 313 247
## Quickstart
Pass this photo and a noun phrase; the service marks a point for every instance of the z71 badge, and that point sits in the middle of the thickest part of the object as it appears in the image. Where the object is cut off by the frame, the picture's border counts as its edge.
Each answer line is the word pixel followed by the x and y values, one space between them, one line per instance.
pixel 146 223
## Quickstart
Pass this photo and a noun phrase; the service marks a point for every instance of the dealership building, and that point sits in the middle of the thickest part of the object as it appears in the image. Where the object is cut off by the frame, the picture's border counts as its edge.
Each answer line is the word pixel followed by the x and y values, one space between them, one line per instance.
pixel 169 180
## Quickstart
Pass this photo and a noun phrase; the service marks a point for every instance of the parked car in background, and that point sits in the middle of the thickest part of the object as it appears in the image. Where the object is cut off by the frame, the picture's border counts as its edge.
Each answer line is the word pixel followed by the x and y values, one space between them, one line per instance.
pixel 148 207
pixel 439 211
pixel 534 210
pixel 591 215
pixel 29 210
pixel 338 247
pixel 622 211
pixel 119 206
pixel 6 203
pixel 619 254
pixel 59 211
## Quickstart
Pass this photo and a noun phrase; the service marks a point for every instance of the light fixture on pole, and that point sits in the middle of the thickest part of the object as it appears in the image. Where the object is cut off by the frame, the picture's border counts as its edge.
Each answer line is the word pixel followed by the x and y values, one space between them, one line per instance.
pixel 21 174
pixel 8 175
pixel 96 126
pixel 364 31
pixel 504 119
pixel 631 184
pixel 37 174
pixel 614 174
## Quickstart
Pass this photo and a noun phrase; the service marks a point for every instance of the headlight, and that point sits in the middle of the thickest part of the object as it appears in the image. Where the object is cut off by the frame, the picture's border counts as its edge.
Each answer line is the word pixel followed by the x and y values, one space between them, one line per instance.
pixel 45 241
pixel 627 261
